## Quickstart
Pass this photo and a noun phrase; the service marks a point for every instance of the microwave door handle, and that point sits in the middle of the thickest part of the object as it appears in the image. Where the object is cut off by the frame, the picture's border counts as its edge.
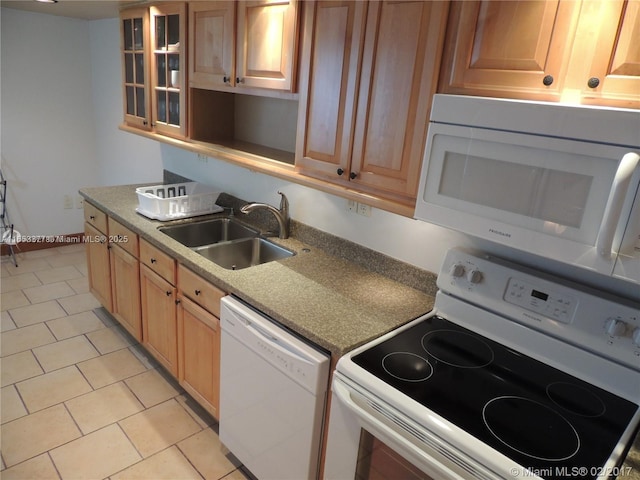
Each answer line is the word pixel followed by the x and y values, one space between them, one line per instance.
pixel 629 163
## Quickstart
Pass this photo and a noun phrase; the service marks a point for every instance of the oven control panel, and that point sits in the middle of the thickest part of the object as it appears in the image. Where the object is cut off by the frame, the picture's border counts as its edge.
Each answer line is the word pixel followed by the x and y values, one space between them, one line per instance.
pixel 584 317
pixel 559 306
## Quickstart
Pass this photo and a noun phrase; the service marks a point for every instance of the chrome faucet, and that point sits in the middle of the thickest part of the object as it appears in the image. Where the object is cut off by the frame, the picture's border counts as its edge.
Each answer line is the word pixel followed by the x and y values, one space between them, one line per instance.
pixel 282 214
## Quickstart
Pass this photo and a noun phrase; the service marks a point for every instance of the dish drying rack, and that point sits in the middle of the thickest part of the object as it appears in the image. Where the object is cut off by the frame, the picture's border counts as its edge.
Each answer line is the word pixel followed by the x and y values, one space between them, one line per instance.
pixel 177 200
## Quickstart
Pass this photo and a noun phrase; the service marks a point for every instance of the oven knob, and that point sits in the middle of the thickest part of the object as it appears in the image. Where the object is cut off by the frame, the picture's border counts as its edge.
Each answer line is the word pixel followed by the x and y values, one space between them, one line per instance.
pixel 615 328
pixel 636 337
pixel 474 276
pixel 457 270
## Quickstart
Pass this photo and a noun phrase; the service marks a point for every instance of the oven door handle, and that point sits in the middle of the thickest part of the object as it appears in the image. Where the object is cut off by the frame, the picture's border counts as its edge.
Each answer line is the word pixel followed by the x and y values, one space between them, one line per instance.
pixel 382 430
pixel 621 182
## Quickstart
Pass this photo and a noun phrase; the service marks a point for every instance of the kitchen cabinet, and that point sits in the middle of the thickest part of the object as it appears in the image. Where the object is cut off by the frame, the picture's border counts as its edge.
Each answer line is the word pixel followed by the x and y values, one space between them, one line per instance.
pixel 573 51
pixel 255 49
pixel 365 98
pixel 97 248
pixel 125 278
pixel 199 339
pixel 168 35
pixel 158 297
pixel 134 25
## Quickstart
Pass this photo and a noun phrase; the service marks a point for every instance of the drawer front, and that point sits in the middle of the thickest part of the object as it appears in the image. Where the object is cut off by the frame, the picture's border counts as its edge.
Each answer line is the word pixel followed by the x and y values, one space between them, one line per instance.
pixel 158 261
pixel 199 290
pixel 123 237
pixel 95 217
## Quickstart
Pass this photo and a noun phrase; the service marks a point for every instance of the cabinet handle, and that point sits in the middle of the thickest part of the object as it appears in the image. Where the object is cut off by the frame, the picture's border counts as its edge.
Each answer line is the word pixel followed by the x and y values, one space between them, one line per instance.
pixel 547 80
pixel 168 293
pixel 226 79
pixel 353 175
pixel 92 217
pixel 340 171
pixel 593 82
pixel 239 80
pixel 153 260
pixel 145 122
pixel 197 292
pixel 177 301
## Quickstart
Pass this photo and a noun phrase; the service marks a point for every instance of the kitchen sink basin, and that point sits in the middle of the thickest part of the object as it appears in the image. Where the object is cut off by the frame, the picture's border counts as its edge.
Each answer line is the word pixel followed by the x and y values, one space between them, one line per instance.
pixel 245 253
pixel 207 232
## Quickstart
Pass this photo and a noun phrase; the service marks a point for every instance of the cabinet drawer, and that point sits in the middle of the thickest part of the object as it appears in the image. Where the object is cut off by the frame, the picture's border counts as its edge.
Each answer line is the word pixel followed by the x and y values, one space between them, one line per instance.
pixel 95 217
pixel 123 237
pixel 199 290
pixel 158 261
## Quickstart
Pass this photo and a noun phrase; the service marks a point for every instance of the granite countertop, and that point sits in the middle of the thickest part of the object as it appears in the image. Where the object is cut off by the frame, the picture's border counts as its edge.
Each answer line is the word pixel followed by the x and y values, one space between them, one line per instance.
pixel 334 302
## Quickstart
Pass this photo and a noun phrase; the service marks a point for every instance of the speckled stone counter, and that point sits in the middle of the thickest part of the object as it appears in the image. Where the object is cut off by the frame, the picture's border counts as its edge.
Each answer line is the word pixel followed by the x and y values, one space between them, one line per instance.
pixel 333 302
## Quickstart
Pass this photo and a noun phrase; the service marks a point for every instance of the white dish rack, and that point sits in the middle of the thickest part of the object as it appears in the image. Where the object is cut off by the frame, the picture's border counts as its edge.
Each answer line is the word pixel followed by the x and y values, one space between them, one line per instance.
pixel 177 200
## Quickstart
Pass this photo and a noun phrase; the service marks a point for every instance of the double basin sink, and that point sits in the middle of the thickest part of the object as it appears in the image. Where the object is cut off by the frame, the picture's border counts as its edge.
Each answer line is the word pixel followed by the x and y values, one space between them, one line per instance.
pixel 226 242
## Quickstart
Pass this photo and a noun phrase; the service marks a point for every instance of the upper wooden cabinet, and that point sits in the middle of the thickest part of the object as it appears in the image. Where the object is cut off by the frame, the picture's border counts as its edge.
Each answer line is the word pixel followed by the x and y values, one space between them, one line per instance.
pixel 168 100
pixel 134 28
pixel 365 98
pixel 562 50
pixel 249 44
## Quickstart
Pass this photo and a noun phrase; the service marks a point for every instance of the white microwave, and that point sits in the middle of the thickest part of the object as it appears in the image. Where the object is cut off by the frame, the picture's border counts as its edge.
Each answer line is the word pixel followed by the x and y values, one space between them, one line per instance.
pixel 557 181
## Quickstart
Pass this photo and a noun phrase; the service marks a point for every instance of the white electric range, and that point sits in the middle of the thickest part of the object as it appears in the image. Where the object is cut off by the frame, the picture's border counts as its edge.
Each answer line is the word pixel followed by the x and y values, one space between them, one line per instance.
pixel 514 374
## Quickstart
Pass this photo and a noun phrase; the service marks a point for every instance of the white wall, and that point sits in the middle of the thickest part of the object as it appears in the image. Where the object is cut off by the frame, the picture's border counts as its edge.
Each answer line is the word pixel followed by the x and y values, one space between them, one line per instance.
pixel 48 142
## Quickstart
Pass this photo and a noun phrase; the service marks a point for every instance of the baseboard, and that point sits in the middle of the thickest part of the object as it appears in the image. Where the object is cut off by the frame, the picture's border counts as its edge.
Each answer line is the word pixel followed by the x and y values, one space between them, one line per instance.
pixel 42 242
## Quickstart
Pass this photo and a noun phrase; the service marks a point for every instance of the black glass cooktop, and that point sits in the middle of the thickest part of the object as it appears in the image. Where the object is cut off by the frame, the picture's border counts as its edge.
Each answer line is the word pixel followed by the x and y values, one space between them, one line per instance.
pixel 540 417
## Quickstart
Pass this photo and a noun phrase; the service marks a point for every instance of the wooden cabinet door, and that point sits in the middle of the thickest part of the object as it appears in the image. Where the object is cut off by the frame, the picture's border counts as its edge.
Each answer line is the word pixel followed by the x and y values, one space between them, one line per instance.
pixel 98 265
pixel 211 44
pixel 199 354
pixel 613 76
pixel 168 68
pixel 400 62
pixel 328 87
pixel 514 48
pixel 159 328
pixel 125 279
pixel 267 43
pixel 134 39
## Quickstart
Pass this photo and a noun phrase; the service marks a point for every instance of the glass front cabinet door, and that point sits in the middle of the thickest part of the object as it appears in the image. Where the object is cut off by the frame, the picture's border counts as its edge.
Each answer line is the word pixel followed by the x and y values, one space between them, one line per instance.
pixel 134 34
pixel 168 69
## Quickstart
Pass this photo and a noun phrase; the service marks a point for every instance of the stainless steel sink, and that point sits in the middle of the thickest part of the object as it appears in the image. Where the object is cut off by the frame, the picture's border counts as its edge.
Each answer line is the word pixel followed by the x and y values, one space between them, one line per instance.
pixel 207 232
pixel 241 254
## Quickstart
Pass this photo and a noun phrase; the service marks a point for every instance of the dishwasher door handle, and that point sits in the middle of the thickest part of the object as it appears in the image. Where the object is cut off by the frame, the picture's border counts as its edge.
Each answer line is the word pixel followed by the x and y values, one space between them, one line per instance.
pixel 284 347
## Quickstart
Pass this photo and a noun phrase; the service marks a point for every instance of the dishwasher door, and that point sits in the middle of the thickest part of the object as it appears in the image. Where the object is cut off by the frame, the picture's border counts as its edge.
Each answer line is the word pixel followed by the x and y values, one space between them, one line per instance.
pixel 272 395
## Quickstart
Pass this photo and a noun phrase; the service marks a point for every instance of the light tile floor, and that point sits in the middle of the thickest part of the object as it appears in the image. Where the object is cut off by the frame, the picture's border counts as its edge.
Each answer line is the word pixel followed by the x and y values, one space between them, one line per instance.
pixel 80 399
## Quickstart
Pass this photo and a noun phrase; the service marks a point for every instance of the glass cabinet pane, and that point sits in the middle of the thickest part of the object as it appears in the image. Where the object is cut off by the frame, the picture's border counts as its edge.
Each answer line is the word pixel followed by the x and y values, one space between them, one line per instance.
pixel 138 33
pixel 128 67
pixel 160 33
pixel 139 68
pixel 162 106
pixel 131 102
pixel 174 62
pixel 174 108
pixel 161 67
pixel 173 30
pixel 128 34
pixel 141 110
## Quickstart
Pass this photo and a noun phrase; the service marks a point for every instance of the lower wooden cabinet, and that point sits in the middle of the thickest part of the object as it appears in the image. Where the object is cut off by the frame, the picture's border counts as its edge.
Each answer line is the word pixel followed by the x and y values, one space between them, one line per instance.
pixel 125 280
pixel 98 265
pixel 199 354
pixel 159 323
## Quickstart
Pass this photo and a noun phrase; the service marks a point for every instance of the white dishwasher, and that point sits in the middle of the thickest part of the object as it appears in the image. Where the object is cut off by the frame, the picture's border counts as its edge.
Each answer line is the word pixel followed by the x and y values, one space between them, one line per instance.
pixel 272 395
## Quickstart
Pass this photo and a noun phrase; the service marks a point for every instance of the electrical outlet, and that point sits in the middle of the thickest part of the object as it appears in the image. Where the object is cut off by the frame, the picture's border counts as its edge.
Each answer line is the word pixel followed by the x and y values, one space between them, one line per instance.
pixel 352 206
pixel 202 158
pixel 79 201
pixel 364 210
pixel 68 202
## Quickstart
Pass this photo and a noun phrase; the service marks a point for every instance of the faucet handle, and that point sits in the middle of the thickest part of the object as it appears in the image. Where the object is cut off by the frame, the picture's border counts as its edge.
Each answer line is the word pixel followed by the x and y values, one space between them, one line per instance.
pixel 284 203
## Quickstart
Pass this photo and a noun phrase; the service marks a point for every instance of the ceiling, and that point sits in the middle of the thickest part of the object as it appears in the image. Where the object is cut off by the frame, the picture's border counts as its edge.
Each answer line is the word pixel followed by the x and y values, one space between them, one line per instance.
pixel 87 10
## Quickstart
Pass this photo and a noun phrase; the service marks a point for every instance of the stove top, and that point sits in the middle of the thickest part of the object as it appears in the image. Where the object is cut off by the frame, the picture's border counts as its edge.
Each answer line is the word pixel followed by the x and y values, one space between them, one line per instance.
pixel 535 414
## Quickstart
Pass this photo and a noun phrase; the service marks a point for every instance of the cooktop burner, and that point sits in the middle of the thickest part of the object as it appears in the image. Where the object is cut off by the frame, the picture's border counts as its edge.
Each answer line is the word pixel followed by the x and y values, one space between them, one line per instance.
pixel 538 416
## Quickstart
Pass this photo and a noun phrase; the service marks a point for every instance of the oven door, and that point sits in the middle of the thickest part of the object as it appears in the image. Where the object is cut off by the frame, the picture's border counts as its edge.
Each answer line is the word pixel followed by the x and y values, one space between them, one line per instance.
pixel 369 439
